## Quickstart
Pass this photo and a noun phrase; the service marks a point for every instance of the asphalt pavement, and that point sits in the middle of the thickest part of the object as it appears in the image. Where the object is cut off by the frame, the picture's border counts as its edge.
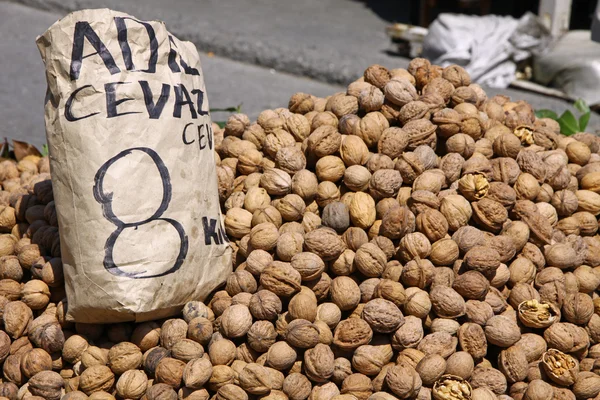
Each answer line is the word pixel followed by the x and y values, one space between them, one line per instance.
pixel 329 40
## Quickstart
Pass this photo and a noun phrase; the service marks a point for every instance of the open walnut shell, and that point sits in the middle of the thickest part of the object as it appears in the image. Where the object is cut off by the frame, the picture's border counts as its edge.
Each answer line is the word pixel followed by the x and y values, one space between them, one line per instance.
pixel 451 387
pixel 560 367
pixel 525 134
pixel 535 314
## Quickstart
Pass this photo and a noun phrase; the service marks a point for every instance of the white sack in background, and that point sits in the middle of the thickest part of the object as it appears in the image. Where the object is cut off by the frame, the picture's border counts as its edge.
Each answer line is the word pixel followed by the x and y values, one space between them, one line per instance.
pixel 488 47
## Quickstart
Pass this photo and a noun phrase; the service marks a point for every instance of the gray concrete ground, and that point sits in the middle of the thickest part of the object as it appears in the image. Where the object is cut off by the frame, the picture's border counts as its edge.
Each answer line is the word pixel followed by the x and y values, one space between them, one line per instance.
pixel 330 40
pixel 229 82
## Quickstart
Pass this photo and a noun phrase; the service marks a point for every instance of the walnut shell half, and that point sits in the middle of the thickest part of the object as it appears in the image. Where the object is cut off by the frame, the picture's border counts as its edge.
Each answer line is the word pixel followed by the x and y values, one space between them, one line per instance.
pixel 534 314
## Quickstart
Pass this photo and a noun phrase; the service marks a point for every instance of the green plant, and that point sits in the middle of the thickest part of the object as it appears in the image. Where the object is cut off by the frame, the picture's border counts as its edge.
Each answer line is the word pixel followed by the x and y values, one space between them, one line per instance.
pixel 569 124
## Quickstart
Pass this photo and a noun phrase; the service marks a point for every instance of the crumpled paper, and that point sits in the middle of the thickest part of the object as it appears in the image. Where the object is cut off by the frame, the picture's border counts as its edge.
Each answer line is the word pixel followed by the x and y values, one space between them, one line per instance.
pixel 133 168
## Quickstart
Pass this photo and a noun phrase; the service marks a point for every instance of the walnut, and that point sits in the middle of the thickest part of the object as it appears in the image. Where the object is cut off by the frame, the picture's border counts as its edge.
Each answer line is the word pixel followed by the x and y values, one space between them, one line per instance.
pixel 473 187
pixel 281 278
pixel 397 222
pixel 345 293
pixel 319 363
pixel 197 372
pixel 261 336
pixel 358 386
pixel 513 364
pixel 502 331
pixel 236 321
pixel 456 75
pixel 46 333
pixel 47 385
pixel 414 245
pixel 460 364
pixel 385 183
pixel 352 333
pixel 342 105
pixel 446 302
pixel 414 110
pixel 17 317
pixel 578 308
pixel 433 224
pixel 132 384
pixel 400 91
pixel 404 382
pixel 325 243
pixel 281 356
pixel 301 103
pixel 370 260
pixel 448 122
pixel 417 302
pixel 586 385
pixel 336 215
pixel 304 184
pixel 369 359
pixel 96 378
pixel 377 75
pixel 255 379
pixel 420 132
pixel 354 151
pixel 560 367
pixel 441 343
pixel 489 378
pixel 536 314
pixel 444 252
pixel 186 350
pixel 170 371
pixel 125 356
pixel 471 285
pixel 34 361
pixel 382 315
pixel 301 333
pixel 296 386
pixel 482 259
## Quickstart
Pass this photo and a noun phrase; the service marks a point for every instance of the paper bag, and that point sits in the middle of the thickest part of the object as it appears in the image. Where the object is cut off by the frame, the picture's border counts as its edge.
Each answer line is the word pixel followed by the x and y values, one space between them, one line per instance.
pixel 133 169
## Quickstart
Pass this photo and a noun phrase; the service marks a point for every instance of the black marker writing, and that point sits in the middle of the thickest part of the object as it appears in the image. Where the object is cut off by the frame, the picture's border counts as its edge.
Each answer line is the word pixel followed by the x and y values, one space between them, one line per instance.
pixel 105 199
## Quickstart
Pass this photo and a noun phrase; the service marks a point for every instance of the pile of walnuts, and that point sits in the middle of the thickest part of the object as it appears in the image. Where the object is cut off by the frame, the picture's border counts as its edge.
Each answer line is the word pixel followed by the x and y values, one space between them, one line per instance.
pixel 407 239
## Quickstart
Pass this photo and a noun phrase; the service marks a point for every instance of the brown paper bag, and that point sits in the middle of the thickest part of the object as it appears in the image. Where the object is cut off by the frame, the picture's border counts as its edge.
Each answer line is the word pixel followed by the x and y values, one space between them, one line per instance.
pixel 133 169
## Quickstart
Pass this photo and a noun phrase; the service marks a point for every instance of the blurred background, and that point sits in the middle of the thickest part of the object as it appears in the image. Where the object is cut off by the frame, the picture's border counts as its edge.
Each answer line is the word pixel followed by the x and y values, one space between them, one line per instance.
pixel 258 53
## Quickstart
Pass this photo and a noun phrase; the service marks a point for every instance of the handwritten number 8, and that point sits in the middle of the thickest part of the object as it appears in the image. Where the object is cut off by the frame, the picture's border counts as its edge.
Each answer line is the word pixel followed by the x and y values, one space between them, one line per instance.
pixel 105 199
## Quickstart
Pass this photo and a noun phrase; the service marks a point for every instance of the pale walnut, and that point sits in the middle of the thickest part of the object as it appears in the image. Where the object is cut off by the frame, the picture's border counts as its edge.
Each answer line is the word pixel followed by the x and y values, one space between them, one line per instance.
pixel 513 364
pixel 319 363
pixel 502 331
pixel 352 333
pixel 404 382
pixel 281 279
pixel 382 315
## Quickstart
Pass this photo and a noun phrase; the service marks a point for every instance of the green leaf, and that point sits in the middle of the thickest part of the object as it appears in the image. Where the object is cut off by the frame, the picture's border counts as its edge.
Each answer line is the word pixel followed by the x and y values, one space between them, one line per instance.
pixel 583 120
pixel 220 123
pixel 228 109
pixel 5 149
pixel 236 109
pixel 581 106
pixel 568 123
pixel 546 114
pixel 45 150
